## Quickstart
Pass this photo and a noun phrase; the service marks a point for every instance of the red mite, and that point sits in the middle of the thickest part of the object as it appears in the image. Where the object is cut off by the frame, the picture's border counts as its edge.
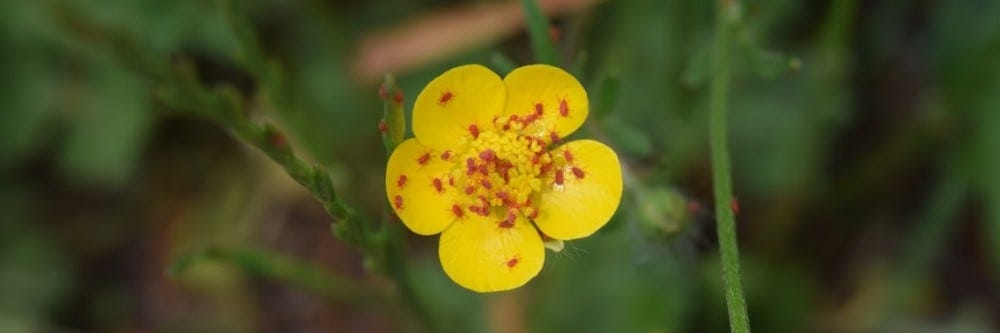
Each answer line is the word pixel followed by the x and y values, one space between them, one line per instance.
pixel 563 108
pixel 457 210
pixel 445 98
pixel 578 173
pixel 538 109
pixel 446 155
pixel 559 177
pixel 534 214
pixel 513 262
pixel 470 166
pixel 509 221
pixel 424 158
pixel 486 184
pixel 437 185
pixel 553 137
pixel 487 155
pixel 568 155
pixel 402 181
pixel 474 130
pixel 398 201
pixel 469 189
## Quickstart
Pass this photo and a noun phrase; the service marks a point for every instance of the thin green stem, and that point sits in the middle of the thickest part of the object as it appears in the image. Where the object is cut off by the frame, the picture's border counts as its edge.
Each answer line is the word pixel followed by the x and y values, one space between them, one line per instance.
pixel 721 178
pixel 538 32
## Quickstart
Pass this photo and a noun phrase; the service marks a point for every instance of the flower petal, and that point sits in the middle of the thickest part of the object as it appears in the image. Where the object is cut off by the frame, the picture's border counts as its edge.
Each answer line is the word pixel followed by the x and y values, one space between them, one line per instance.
pixel 416 182
pixel 589 195
pixel 481 255
pixel 464 96
pixel 549 91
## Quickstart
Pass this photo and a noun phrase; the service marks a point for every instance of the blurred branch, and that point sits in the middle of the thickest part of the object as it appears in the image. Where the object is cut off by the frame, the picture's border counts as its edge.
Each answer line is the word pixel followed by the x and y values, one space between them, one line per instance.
pixel 305 275
pixel 925 242
pixel 445 33
pixel 727 16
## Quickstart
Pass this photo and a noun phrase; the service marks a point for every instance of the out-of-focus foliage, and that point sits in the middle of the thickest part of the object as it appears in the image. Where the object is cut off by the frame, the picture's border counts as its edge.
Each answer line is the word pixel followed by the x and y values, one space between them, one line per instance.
pixel 865 138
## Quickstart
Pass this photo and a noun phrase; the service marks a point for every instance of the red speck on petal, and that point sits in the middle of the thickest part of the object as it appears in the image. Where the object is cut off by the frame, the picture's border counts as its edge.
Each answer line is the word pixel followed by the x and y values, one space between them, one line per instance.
pixel 457 210
pixel 508 222
pixel 553 137
pixel 545 168
pixel 445 98
pixel 470 189
pixel 559 177
pixel 486 184
pixel 578 173
pixel 474 130
pixel 401 181
pixel 538 109
pixel 398 201
pixel 487 155
pixel 446 155
pixel 534 214
pixel 513 262
pixel 563 108
pixel 568 156
pixel 470 166
pixel 424 158
pixel 437 185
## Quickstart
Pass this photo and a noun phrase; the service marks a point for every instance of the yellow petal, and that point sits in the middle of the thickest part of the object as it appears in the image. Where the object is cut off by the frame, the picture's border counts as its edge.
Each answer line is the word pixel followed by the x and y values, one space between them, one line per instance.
pixel 481 255
pixel 464 96
pixel 580 206
pixel 416 182
pixel 550 91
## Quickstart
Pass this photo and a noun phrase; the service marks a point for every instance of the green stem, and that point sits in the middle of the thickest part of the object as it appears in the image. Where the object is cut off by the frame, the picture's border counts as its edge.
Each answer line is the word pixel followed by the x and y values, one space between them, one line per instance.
pixel 721 179
pixel 538 32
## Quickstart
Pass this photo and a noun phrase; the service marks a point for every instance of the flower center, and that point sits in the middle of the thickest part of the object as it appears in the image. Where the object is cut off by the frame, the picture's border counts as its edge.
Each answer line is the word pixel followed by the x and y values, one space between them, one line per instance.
pixel 500 172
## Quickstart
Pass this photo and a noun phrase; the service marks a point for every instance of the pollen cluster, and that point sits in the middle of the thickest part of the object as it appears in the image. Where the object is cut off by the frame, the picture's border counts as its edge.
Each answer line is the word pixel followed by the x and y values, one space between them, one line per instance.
pixel 501 171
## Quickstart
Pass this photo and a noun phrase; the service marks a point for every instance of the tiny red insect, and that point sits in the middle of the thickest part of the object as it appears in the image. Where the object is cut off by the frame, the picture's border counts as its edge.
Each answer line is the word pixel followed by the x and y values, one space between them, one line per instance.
pixel 513 262
pixel 424 158
pixel 559 177
pixel 457 210
pixel 553 137
pixel 437 185
pixel 487 155
pixel 445 98
pixel 538 109
pixel 401 181
pixel 568 156
pixel 563 108
pixel 470 166
pixel 578 173
pixel 446 155
pixel 486 184
pixel 474 130
pixel 508 222
pixel 398 201
pixel 534 214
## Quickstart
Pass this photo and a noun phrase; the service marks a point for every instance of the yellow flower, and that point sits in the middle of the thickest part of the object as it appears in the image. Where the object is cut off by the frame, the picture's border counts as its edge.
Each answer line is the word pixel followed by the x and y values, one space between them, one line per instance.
pixel 487 170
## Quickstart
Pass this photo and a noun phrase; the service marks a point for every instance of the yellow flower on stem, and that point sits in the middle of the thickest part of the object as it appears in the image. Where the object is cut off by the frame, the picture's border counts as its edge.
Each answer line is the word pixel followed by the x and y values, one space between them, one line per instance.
pixel 488 170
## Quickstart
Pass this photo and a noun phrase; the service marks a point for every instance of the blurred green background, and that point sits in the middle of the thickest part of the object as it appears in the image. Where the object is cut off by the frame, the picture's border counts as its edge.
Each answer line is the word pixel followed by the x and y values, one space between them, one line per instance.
pixel 865 138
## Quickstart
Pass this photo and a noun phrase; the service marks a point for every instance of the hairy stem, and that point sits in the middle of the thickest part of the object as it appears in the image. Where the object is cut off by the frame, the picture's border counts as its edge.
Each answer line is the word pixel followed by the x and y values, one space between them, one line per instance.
pixel 721 178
